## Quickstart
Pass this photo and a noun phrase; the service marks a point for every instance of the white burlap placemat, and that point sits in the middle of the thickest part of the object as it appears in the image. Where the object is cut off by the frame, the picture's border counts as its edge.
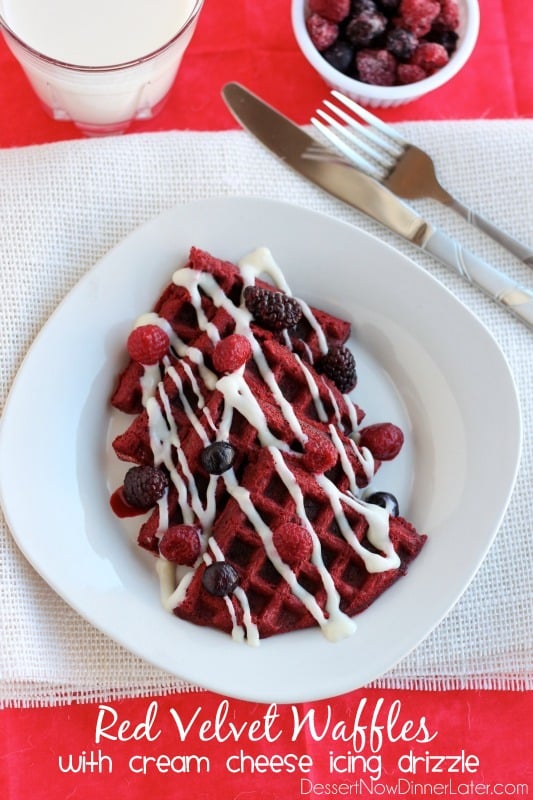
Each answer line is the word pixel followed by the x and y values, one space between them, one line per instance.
pixel 64 205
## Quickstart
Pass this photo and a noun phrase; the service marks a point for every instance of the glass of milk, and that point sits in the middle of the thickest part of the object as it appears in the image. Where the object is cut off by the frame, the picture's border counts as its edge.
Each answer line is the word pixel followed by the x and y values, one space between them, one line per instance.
pixel 100 63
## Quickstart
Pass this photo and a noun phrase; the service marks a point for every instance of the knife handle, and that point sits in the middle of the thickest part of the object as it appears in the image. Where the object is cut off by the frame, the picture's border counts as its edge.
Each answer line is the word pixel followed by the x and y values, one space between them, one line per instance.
pixel 495 284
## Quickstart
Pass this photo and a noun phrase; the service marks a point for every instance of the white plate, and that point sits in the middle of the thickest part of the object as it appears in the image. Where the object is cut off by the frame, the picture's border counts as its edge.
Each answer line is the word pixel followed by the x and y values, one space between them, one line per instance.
pixel 424 362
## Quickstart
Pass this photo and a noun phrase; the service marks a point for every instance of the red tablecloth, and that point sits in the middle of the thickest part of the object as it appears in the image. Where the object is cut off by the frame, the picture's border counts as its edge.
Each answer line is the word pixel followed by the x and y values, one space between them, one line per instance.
pixel 253 43
pixel 481 741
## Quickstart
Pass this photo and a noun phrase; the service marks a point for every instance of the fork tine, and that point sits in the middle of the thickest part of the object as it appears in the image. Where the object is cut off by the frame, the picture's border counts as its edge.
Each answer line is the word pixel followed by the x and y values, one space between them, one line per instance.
pixel 392 149
pixel 372 120
pixel 348 151
pixel 354 137
pixel 347 134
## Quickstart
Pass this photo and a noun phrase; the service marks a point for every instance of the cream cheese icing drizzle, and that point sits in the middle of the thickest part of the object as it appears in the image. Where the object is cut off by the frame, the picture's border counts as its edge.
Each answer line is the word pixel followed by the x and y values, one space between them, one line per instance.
pixel 238 396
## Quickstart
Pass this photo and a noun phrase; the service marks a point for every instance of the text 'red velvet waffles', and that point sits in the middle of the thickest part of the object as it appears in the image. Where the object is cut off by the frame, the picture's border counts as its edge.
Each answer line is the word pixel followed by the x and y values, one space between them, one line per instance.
pixel 251 466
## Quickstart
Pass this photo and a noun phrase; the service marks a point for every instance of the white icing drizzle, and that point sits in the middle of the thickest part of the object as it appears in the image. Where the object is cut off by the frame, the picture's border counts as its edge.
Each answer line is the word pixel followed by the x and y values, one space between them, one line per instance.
pixel 165 443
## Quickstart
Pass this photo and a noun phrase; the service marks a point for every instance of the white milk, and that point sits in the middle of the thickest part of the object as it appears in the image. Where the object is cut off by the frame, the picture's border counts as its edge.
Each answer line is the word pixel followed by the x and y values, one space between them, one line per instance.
pixel 100 33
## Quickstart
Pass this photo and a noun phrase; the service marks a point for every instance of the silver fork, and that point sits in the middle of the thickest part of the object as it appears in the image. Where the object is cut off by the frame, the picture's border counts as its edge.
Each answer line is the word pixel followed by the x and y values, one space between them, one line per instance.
pixel 378 150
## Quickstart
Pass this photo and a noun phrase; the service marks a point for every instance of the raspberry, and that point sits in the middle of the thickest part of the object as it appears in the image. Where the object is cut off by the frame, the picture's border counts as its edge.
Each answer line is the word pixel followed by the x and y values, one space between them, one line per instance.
pixel 320 454
pixel 364 27
pixel 181 544
pixel 410 73
pixel 334 10
pixel 401 43
pixel 144 486
pixel 217 458
pixel 418 15
pixel 430 56
pixel 147 344
pixel 220 578
pixel 339 366
pixel 293 543
pixel 377 67
pixel 449 15
pixel 231 353
pixel 322 31
pixel 274 310
pixel 384 440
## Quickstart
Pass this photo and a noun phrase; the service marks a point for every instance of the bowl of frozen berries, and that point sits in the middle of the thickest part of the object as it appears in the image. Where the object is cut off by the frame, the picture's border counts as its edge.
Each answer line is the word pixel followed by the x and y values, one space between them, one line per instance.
pixel 386 52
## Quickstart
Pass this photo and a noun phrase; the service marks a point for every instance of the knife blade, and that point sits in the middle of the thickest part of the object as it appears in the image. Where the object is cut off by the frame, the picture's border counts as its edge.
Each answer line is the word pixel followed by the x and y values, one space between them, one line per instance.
pixel 340 178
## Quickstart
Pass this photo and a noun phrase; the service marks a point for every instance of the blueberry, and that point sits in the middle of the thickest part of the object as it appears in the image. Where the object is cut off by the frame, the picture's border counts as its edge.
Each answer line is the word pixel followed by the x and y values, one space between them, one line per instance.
pixel 217 457
pixel 385 500
pixel 339 55
pixel 220 578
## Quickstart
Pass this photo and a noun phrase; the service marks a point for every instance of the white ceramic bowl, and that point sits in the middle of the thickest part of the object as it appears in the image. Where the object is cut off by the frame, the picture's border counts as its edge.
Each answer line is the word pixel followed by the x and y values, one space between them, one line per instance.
pixel 385 96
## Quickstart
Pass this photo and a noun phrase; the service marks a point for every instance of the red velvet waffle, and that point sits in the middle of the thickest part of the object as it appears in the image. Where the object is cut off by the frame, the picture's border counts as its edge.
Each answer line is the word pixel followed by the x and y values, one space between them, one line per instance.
pixel 282 537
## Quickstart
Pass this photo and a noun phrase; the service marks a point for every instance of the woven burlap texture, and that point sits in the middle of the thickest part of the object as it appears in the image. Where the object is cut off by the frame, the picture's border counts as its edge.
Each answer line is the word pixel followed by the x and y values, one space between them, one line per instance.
pixel 63 206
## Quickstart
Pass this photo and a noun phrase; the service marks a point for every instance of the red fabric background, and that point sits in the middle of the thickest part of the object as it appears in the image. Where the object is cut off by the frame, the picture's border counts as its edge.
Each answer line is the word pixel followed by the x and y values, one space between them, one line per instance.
pixel 490 727
pixel 252 42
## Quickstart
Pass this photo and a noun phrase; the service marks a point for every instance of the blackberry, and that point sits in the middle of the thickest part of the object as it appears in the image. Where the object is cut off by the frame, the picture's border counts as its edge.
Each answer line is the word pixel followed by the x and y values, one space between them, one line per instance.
pixel 274 310
pixel 388 6
pixel 217 458
pixel 447 38
pixel 401 43
pixel 339 366
pixel 220 578
pixel 365 27
pixel 359 6
pixel 144 486
pixel 340 55
pixel 385 500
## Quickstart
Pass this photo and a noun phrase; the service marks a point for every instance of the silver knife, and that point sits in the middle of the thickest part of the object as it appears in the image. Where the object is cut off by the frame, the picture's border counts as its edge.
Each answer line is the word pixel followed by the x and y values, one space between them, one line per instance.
pixel 341 179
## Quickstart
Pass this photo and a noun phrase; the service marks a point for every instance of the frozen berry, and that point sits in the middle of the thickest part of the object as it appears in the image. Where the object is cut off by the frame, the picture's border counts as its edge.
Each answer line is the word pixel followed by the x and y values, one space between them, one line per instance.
pixel 339 366
pixel 384 440
pixel 430 56
pixel 181 544
pixel 293 543
pixel 386 500
pixel 449 15
pixel 217 458
pixel 419 15
pixel 448 39
pixel 388 5
pixel 274 310
pixel 322 31
pixel 231 353
pixel 220 578
pixel 358 6
pixel 410 73
pixel 144 486
pixel 377 67
pixel 364 27
pixel 334 10
pixel 340 55
pixel 401 43
pixel 147 344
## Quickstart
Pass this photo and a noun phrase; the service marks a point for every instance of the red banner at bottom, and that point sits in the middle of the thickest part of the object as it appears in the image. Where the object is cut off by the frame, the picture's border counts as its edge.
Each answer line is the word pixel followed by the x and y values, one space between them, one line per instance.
pixel 366 744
